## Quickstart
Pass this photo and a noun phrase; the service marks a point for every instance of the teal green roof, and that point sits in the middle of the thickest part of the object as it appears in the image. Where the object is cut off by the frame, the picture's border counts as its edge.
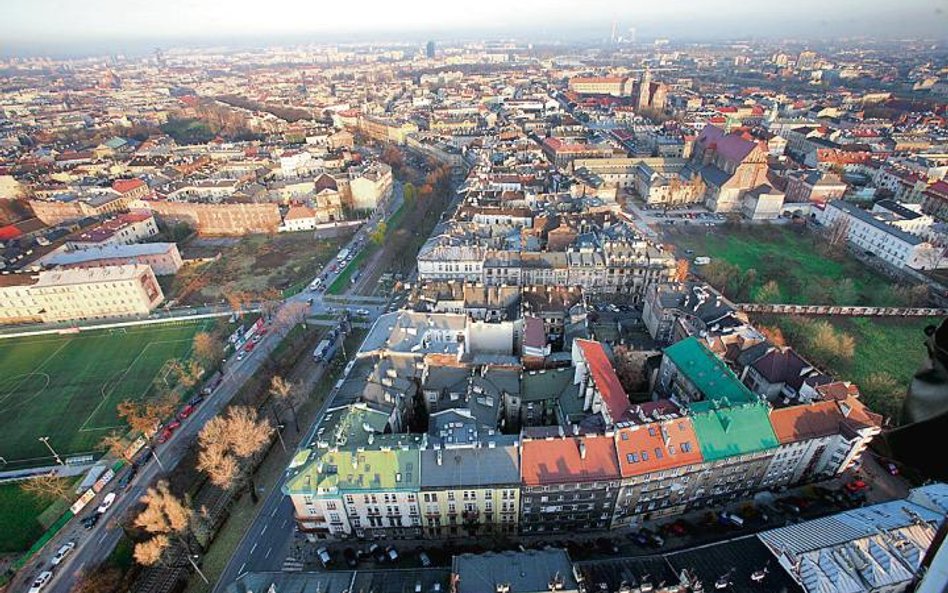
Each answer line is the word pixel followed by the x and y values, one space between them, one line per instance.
pixel 708 373
pixel 327 472
pixel 736 430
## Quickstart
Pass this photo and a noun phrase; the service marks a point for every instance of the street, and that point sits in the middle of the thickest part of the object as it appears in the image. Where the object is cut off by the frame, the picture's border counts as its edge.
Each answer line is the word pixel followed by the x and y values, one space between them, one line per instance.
pixel 94 545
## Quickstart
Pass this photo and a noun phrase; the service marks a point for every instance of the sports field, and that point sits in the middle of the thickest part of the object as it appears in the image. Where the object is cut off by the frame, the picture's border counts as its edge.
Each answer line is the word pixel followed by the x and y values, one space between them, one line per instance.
pixel 67 387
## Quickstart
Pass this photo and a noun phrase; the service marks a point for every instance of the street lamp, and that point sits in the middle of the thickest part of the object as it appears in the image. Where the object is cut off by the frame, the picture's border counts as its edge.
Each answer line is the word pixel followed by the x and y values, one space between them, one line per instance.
pixel 51 450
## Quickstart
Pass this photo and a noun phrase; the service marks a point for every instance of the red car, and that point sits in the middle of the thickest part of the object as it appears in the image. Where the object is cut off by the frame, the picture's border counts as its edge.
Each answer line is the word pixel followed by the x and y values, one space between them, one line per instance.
pixel 165 435
pixel 856 486
pixel 185 412
pixel 249 347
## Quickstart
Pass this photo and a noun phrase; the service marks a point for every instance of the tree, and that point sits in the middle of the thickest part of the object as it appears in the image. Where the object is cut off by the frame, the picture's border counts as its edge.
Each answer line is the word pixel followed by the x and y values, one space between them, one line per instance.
pixel 773 335
pixel 844 292
pixel 393 157
pixel 828 345
pixel 165 516
pixel 769 292
pixel 720 274
pixel 409 194
pixel 225 439
pixel 236 300
pixel 189 374
pixel 292 313
pixel 269 302
pixel 113 443
pixel 630 368
pixel 682 268
pixel 838 232
pixel 378 235
pixel 207 348
pixel 47 487
pixel 286 393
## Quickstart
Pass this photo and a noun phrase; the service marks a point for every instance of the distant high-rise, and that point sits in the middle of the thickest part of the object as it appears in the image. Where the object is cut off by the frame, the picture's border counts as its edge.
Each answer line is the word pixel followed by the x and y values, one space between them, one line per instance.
pixel 430 50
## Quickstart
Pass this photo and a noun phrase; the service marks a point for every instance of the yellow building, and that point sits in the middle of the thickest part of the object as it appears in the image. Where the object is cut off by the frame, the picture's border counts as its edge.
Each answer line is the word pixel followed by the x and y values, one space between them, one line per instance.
pixel 470 490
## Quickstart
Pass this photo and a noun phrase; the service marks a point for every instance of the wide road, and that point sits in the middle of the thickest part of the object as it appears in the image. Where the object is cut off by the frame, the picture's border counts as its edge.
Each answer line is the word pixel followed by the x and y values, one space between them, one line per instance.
pixel 93 546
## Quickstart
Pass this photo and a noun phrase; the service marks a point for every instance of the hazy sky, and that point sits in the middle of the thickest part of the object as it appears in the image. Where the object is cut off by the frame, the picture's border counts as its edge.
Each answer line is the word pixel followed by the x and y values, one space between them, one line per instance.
pixel 38 23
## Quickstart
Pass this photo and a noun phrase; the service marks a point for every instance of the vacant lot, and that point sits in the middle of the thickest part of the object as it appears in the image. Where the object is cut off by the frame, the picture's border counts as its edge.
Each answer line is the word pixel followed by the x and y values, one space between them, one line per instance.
pixel 776 264
pixel 67 387
pixel 254 264
pixel 887 353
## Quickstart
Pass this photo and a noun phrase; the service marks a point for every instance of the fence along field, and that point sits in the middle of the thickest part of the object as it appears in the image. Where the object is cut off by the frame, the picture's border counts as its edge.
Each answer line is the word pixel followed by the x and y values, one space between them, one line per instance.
pixel 67 387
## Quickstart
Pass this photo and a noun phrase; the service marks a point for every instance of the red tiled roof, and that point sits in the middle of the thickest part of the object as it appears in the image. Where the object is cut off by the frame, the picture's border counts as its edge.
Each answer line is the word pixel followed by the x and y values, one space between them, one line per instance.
pixel 797 423
pixel 126 185
pixel 558 460
pixel 605 378
pixel 657 446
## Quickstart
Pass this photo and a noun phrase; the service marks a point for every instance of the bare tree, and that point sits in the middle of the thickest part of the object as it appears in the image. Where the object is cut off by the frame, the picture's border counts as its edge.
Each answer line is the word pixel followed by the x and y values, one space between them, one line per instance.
pixel 236 300
pixel 188 373
pixel 145 416
pixel 682 268
pixel 292 313
pixel 225 439
pixel 150 552
pixel 102 579
pixel 207 347
pixel 838 232
pixel 286 393
pixel 47 487
pixel 165 517
pixel 113 443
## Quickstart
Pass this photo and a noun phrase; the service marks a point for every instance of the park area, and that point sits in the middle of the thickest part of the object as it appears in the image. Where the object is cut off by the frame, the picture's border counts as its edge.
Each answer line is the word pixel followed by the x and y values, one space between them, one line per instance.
pixel 67 387
pixel 791 265
pixel 258 265
pixel 787 265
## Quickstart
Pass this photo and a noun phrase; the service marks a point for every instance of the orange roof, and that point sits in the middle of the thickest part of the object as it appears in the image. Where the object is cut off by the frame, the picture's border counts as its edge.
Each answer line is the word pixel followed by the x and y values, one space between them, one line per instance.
pixel 657 446
pixel 124 185
pixel 597 79
pixel 807 421
pixel 558 460
pixel 605 378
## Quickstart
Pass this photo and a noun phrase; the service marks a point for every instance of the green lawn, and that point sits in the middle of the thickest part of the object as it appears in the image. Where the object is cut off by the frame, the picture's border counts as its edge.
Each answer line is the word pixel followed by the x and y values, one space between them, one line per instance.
pixel 794 259
pixel 339 285
pixel 892 347
pixel 67 387
pixel 19 518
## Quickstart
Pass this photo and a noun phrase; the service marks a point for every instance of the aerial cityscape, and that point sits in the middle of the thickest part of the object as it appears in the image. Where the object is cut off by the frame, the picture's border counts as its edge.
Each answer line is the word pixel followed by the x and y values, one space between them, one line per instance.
pixel 431 298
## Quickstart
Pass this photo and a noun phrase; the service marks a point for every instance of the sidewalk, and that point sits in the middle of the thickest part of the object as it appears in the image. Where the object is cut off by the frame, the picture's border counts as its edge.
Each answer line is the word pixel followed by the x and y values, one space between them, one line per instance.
pixel 703 525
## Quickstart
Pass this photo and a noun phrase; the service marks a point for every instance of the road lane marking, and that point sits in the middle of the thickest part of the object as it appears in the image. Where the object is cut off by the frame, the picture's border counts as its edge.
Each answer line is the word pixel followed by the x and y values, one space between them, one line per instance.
pixel 240 570
pixel 275 509
pixel 264 530
pixel 253 548
pixel 268 552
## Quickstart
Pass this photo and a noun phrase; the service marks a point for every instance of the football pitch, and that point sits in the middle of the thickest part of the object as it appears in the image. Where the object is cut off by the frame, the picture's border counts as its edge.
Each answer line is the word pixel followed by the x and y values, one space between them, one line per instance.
pixel 67 387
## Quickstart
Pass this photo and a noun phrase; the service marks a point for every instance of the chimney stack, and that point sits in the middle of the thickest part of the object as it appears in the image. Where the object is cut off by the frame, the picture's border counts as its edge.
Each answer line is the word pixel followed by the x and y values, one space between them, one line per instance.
pixel 582 449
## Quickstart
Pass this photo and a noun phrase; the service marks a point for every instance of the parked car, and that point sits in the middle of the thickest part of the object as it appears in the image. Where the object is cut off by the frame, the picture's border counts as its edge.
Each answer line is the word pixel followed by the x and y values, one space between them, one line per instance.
pixel 165 435
pixel 41 581
pixel 424 559
pixel 893 469
pixel 185 412
pixel 351 558
pixel 195 401
pixel 106 503
pixel 62 552
pixel 377 553
pixel 249 347
pixel 731 519
pixel 323 555
pixel 391 553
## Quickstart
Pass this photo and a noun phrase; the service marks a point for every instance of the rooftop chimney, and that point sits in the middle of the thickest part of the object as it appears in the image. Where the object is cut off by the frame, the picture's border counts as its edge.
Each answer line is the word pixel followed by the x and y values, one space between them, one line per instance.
pixel 582 449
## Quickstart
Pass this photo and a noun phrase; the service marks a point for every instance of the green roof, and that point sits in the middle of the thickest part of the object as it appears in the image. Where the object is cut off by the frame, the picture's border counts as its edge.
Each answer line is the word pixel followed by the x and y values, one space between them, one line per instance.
pixel 736 430
pixel 350 426
pixel 357 471
pixel 709 374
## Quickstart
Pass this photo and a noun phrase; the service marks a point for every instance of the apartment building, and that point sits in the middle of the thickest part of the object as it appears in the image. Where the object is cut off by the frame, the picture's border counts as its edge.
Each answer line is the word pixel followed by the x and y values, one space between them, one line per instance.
pixel 80 294
pixel 470 490
pixel 163 258
pixel 880 239
pixel 569 483
pixel 124 229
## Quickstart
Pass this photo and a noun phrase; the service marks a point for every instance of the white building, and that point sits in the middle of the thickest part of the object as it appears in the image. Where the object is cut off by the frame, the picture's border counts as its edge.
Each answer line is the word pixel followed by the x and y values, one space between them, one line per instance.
pixel 881 239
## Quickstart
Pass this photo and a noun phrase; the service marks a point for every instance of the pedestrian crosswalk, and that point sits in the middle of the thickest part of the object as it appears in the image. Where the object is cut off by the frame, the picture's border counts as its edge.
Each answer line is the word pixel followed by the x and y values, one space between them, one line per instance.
pixel 291 564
